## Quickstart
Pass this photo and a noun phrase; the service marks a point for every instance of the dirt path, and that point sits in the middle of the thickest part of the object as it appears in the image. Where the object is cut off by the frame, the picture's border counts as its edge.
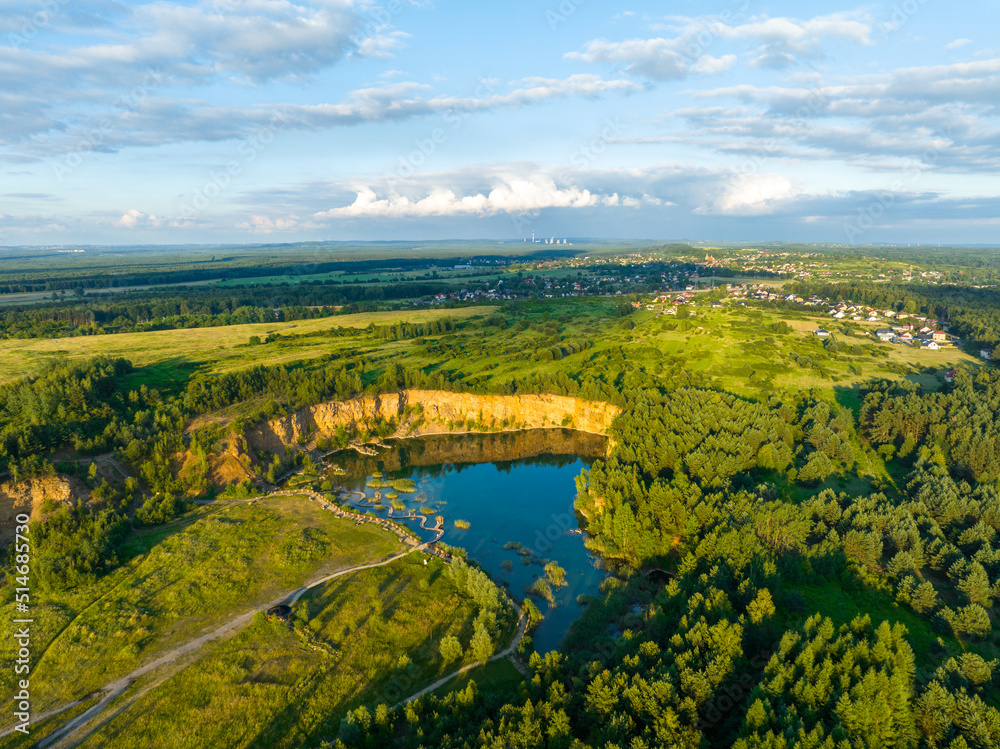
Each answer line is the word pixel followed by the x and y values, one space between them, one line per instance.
pixel 67 735
pixel 64 734
pixel 505 653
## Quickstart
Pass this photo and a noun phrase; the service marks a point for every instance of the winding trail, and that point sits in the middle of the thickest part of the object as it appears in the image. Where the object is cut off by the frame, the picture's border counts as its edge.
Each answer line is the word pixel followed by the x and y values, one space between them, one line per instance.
pixel 115 688
pixel 64 735
pixel 508 652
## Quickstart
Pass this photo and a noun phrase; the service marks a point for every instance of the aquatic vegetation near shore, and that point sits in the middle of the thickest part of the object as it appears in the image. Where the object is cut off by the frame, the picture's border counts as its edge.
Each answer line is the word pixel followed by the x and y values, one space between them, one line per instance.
pixel 541 589
pixel 555 574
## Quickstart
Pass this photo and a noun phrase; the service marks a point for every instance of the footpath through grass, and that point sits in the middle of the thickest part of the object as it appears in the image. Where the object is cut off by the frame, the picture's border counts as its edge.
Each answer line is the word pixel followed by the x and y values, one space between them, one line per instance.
pixel 367 638
pixel 188 583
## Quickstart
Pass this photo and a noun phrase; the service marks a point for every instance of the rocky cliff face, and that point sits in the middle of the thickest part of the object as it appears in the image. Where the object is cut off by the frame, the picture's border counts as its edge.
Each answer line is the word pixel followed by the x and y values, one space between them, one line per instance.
pixel 27 497
pixel 414 413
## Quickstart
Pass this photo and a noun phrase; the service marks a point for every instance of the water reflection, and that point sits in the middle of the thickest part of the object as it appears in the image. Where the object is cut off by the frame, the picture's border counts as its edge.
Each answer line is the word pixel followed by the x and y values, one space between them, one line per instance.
pixel 513 491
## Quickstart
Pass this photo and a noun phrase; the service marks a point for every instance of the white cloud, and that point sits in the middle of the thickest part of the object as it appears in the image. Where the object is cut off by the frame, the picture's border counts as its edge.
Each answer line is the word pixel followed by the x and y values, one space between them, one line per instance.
pixel 133 218
pixel 136 219
pixel 262 224
pixel 781 41
pixel 510 194
pixel 942 117
pixel 957 44
pixel 653 58
pixel 527 189
pixel 754 195
pixel 156 121
pixel 29 224
pixel 802 35
pixel 253 40
pixel 708 65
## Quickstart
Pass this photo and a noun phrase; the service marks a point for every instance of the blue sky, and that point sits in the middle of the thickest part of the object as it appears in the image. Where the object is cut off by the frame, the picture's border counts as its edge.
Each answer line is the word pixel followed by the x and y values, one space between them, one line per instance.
pixel 278 121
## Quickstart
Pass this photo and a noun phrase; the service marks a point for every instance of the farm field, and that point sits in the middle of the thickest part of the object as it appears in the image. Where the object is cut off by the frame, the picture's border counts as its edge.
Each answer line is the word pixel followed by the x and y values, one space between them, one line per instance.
pixel 221 349
pixel 443 274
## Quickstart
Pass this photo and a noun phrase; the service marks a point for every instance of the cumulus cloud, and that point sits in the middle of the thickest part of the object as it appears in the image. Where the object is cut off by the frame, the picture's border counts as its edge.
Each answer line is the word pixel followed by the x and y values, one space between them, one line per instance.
pixel 510 189
pixel 253 40
pixel 754 195
pixel 708 65
pixel 509 194
pixel 515 189
pixel 133 218
pixel 78 71
pixel 28 224
pixel 262 224
pixel 661 199
pixel 653 58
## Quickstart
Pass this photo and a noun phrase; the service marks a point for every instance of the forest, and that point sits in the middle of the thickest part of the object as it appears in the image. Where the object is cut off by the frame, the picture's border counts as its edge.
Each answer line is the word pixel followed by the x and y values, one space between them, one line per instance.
pixel 728 651
pixel 201 308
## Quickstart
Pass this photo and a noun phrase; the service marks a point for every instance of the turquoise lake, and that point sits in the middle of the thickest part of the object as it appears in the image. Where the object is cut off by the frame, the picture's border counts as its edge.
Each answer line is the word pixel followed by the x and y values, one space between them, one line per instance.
pixel 515 490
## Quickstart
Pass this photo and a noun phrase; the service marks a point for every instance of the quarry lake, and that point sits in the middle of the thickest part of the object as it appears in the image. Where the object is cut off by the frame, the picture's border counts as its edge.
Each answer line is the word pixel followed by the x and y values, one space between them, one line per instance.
pixel 514 491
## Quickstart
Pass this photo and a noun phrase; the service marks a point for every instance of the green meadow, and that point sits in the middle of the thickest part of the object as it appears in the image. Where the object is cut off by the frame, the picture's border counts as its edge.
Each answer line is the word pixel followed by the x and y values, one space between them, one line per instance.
pixel 180 581
pixel 220 349
pixel 367 638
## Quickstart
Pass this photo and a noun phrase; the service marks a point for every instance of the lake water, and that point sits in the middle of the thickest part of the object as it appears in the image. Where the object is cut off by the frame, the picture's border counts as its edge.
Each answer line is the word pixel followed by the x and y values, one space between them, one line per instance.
pixel 512 489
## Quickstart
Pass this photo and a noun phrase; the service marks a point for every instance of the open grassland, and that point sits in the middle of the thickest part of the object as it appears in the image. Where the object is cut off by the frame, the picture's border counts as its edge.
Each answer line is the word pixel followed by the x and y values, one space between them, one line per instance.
pixel 222 348
pixel 499 677
pixel 276 686
pixel 749 351
pixel 746 352
pixel 182 581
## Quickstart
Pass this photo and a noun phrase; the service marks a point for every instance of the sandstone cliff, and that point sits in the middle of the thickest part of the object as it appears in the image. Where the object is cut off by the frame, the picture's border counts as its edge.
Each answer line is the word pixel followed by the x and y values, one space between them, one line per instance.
pixel 414 413
pixel 28 496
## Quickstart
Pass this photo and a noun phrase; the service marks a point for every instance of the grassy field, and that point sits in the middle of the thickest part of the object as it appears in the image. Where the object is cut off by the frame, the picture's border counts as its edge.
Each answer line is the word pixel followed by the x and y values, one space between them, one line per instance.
pixel 181 581
pixel 223 348
pixel 497 677
pixel 739 351
pixel 744 350
pixel 290 687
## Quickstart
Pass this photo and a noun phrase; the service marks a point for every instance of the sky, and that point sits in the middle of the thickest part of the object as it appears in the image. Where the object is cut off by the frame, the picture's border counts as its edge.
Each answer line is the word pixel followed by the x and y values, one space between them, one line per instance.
pixel 227 121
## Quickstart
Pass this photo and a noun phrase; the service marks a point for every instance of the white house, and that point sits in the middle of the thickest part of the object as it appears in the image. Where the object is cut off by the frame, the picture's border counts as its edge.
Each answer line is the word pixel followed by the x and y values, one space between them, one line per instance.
pixel 885 334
